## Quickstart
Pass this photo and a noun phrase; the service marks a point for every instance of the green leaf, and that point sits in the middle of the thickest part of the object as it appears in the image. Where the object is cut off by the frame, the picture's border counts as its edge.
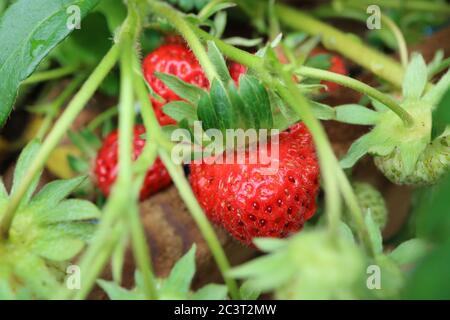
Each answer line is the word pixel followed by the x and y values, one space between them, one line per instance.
pixel 433 221
pixel 415 78
pixel 26 158
pixel 431 279
pixel 255 96
pixel 179 110
pixel 211 292
pixel 71 210
pixel 356 114
pixel 219 62
pixel 374 233
pixel 27 40
pixel 179 281
pixel 436 93
pixel 54 192
pixel 116 292
pixel 183 89
pixel 409 251
pixel 441 116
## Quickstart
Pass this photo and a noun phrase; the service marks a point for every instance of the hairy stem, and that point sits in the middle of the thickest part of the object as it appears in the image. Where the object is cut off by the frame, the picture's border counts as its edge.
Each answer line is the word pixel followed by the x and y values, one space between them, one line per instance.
pixel 358 86
pixel 57 133
pixel 51 74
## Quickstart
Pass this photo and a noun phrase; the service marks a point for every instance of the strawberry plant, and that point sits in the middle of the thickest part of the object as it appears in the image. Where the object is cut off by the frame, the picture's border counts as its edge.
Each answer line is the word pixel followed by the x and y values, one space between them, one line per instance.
pixel 105 106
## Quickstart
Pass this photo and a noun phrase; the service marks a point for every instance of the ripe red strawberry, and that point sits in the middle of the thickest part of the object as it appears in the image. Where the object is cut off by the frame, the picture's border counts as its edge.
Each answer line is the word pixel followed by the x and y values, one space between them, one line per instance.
pixel 337 66
pixel 106 165
pixel 175 59
pixel 250 204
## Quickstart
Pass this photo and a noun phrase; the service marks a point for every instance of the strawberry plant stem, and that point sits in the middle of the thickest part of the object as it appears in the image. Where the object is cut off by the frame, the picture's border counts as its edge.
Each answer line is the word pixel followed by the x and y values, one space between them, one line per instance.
pixel 175 18
pixel 360 87
pixel 57 133
pixel 51 74
pixel 333 39
pixel 125 175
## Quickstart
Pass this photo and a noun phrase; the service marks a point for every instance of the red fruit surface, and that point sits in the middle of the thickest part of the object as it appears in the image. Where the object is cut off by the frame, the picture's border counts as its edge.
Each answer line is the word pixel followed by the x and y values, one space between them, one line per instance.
pixel 250 204
pixel 106 165
pixel 337 66
pixel 236 69
pixel 175 59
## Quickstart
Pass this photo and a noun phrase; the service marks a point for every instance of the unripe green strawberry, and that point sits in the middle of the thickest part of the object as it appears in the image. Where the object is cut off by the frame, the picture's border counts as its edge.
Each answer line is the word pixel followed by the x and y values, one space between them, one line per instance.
pixel 310 265
pixel 431 165
pixel 370 198
pixel 403 149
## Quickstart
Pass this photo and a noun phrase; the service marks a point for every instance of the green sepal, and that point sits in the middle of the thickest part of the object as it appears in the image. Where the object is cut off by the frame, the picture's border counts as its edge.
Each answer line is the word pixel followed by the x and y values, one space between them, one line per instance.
pixel 356 114
pixel 70 210
pixel 183 89
pixel 180 277
pixel 374 233
pixel 222 105
pixel 26 158
pixel 415 78
pixel 255 96
pixel 357 150
pixel 219 62
pixel 179 110
pixel 210 292
pixel 116 292
pixel 207 114
pixel 54 192
pixel 56 247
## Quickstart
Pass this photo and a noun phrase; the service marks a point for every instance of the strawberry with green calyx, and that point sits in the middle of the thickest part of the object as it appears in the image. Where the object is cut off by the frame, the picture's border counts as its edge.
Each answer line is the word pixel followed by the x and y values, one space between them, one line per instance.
pixel 310 265
pixel 176 59
pixel 405 152
pixel 175 286
pixel 252 202
pixel 46 232
pixel 371 199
